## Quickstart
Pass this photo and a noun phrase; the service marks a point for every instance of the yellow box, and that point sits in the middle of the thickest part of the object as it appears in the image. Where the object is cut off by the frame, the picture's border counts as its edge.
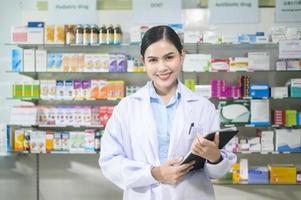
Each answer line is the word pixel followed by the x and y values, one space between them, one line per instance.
pixel 236 174
pixel 19 140
pixel 283 174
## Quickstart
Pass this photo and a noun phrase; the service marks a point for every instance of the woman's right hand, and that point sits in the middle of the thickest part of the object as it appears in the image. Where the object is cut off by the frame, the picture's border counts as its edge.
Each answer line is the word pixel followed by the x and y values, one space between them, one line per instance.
pixel 171 172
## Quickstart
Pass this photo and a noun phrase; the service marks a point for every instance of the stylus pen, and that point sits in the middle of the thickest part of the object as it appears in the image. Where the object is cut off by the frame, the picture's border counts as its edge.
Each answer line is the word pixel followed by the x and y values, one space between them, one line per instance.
pixel 191 126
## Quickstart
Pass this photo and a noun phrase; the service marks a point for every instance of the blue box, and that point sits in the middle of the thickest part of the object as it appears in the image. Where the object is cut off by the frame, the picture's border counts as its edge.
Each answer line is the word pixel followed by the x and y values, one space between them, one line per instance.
pixel 295 91
pixel 299 118
pixel 259 90
pixel 35 24
pixel 258 175
pixel 16 60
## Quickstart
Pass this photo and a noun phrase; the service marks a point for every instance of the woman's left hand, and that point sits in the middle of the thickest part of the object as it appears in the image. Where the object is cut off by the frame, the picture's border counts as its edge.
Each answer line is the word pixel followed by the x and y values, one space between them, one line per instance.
pixel 206 148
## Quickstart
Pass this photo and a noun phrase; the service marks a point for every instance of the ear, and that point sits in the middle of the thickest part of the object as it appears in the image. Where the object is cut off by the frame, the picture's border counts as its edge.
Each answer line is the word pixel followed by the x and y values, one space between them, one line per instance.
pixel 141 59
pixel 183 53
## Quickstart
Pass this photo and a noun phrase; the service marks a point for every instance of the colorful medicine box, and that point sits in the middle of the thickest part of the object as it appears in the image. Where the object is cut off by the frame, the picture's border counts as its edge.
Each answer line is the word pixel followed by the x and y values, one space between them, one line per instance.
pixel 283 174
pixel 259 90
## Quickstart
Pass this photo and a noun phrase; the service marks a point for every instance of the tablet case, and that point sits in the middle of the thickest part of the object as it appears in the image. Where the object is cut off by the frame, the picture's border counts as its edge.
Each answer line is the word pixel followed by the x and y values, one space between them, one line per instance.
pixel 225 135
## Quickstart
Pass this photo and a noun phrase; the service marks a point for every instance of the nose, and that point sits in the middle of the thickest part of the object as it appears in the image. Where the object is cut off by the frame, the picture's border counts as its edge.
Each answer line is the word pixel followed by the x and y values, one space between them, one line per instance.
pixel 162 66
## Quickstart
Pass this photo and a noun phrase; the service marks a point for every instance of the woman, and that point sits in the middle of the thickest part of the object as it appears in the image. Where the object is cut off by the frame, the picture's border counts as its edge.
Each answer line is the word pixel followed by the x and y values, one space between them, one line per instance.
pixel 151 130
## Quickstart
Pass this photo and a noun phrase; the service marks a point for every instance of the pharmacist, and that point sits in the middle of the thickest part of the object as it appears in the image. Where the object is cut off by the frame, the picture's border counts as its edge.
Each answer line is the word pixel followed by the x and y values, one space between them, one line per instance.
pixel 151 130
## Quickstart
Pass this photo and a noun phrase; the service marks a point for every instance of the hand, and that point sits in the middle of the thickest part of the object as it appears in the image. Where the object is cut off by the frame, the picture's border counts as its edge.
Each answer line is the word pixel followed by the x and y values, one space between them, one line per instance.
pixel 206 148
pixel 171 172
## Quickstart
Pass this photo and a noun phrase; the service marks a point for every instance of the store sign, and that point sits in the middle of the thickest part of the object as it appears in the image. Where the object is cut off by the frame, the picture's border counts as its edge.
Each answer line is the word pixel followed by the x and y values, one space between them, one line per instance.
pixel 233 11
pixel 72 12
pixel 288 11
pixel 290 49
pixel 157 11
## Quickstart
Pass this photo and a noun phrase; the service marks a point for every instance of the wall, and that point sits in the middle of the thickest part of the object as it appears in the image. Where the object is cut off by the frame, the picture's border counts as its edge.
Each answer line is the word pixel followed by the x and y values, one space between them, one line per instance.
pixel 78 176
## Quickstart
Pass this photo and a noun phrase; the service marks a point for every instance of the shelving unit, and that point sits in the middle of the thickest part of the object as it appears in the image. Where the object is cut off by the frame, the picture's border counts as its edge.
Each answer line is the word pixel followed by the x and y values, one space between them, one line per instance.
pixel 275 78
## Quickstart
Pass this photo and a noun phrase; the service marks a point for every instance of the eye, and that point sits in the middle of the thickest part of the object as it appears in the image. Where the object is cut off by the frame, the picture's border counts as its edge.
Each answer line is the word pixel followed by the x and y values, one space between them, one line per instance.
pixel 170 57
pixel 152 60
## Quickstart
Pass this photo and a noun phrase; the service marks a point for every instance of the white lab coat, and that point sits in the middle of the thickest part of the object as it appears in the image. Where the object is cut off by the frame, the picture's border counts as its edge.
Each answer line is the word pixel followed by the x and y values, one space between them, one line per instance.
pixel 129 148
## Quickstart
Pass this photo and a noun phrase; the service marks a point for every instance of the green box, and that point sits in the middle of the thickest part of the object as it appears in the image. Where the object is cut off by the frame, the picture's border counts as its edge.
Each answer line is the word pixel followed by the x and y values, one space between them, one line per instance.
pixel 190 83
pixel 27 90
pixel 295 91
pixel 18 90
pixel 35 91
pixel 290 118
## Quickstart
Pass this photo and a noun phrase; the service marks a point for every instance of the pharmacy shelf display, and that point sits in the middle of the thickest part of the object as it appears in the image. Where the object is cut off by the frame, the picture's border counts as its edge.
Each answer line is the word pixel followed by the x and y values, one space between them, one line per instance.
pixel 272 127
pixel 275 76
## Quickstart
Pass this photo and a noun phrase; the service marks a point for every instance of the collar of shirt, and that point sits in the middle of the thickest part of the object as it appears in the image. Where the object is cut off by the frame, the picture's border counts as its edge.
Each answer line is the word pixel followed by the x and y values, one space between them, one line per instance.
pixel 154 97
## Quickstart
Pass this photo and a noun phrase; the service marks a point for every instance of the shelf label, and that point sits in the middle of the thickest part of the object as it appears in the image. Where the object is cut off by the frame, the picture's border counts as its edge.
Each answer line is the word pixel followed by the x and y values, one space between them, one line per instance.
pixel 233 11
pixel 157 11
pixel 290 49
pixel 288 11
pixel 72 12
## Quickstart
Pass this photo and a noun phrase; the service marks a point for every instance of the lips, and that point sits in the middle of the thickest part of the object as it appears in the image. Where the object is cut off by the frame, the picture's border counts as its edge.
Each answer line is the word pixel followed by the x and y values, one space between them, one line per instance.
pixel 164 76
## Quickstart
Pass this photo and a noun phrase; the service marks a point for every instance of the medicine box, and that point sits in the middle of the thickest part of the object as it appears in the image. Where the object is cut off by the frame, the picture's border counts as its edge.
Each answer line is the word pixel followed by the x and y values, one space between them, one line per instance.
pixel 288 140
pixel 295 88
pixel 282 174
pixel 259 90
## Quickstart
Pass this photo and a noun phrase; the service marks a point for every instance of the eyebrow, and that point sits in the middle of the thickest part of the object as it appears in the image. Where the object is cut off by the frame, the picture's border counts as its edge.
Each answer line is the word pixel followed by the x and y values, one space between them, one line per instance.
pixel 168 54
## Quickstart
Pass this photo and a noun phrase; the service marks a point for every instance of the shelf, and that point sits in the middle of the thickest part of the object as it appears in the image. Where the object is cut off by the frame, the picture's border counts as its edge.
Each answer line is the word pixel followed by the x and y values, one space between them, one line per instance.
pixel 55 126
pixel 125 46
pixel 229 182
pixel 250 98
pixel 54 152
pixel 233 72
pixel 91 102
pixel 27 45
pixel 267 153
pixel 238 45
pixel 83 75
pixel 257 126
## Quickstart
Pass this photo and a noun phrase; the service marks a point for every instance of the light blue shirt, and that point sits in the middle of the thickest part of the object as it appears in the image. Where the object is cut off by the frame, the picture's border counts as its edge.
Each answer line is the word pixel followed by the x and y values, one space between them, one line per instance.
pixel 164 117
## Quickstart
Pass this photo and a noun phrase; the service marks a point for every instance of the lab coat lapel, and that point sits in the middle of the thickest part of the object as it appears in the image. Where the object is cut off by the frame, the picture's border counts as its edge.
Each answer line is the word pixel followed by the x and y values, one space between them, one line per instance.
pixel 183 118
pixel 149 125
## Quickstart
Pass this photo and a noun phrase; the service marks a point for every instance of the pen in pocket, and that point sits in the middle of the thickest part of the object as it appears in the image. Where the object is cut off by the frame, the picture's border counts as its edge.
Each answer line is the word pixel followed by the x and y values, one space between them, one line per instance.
pixel 190 129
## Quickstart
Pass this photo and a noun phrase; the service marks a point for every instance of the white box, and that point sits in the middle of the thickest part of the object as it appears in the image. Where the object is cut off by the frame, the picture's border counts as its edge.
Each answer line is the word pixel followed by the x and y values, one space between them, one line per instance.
pixel 60 89
pixel 243 172
pixel 262 39
pixel 68 90
pixel 44 89
pixel 238 64
pixel 29 60
pixel 192 36
pixel 135 35
pixel 259 61
pixel 19 34
pixel 23 115
pixel 254 143
pixel 281 65
pixel 203 90
pixel 197 63
pixel 260 112
pixel 279 92
pixel 51 89
pixel 211 37
pixel 60 118
pixel 288 140
pixel 41 60
pixel 35 35
pixel 3 140
pixel 230 39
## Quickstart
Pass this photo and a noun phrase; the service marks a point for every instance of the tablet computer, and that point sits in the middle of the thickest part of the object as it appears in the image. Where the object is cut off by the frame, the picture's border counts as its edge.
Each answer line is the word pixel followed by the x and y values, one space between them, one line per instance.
pixel 225 135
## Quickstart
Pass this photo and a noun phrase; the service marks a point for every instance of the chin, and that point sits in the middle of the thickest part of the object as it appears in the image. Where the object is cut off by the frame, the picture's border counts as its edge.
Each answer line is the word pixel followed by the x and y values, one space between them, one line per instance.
pixel 164 84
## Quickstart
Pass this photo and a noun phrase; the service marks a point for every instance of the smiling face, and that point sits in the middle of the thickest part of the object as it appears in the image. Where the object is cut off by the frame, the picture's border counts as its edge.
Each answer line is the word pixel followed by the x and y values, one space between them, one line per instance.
pixel 163 64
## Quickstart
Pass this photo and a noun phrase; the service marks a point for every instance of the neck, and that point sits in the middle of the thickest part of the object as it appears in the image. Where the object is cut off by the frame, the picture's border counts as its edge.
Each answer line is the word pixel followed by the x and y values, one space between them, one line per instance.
pixel 166 93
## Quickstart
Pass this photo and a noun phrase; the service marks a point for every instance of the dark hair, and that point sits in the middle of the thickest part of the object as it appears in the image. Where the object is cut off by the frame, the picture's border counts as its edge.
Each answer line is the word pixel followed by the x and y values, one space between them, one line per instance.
pixel 157 33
